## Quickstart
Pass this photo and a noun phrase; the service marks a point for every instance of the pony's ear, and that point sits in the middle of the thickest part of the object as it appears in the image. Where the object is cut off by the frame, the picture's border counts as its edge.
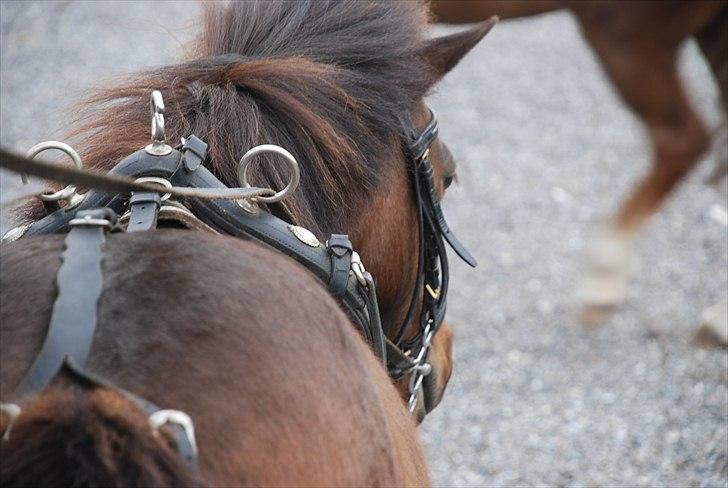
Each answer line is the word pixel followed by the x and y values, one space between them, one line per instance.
pixel 443 53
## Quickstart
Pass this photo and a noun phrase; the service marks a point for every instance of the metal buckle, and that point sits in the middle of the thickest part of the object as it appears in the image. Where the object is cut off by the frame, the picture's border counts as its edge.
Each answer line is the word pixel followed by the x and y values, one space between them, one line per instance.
pixel 435 294
pixel 90 221
pixel 93 220
pixel 13 411
pixel 357 267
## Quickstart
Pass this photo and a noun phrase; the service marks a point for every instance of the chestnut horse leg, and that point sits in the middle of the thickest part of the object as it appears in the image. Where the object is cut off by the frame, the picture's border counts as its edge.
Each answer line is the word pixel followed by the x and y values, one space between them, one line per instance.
pixel 643 70
pixel 712 39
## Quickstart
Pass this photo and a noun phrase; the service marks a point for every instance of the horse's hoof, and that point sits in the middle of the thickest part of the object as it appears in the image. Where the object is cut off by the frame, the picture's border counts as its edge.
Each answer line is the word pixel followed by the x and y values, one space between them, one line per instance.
pixel 600 295
pixel 713 330
pixel 593 315
pixel 605 285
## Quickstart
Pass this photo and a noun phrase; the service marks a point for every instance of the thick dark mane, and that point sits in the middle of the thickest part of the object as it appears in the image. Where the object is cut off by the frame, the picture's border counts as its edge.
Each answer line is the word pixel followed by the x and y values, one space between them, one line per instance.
pixel 328 80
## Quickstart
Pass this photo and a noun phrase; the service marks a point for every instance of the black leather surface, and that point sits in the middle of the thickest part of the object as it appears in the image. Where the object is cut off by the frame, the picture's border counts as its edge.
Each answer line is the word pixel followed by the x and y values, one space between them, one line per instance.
pixel 73 319
pixel 143 208
pixel 340 250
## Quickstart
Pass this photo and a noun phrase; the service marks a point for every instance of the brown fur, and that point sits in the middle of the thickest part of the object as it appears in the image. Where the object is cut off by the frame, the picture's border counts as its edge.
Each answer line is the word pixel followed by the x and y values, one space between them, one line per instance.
pixel 281 388
pixel 97 439
pixel 637 45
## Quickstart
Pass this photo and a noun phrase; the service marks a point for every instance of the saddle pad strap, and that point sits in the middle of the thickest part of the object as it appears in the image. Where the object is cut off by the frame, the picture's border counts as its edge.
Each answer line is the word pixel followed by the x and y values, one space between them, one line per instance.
pixel 73 320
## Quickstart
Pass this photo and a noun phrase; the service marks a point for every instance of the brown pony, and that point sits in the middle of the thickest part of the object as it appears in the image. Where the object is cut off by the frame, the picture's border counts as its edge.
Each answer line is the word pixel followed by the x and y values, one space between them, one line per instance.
pixel 637 43
pixel 281 388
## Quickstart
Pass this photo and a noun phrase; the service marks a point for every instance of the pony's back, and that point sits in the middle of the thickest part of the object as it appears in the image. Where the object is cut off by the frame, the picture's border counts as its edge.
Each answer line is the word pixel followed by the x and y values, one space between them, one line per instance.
pixel 249 344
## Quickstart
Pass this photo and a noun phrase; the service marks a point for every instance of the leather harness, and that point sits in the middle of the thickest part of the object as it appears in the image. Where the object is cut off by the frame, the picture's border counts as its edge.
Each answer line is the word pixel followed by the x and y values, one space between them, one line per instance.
pixel 335 264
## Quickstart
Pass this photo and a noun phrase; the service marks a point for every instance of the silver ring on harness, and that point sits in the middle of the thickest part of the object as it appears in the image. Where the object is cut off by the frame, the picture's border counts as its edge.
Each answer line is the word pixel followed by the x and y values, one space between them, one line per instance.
pixel 67 193
pixel 160 181
pixel 270 148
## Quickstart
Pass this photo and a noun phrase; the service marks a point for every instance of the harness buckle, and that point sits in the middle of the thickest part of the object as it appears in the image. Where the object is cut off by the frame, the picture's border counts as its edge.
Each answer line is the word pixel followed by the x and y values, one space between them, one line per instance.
pixel 357 267
pixel 13 411
pixel 435 294
pixel 100 217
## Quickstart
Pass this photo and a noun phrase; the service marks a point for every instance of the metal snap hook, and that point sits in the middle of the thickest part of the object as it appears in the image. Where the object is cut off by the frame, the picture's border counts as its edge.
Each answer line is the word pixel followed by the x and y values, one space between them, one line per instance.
pixel 67 193
pixel 158 147
pixel 270 148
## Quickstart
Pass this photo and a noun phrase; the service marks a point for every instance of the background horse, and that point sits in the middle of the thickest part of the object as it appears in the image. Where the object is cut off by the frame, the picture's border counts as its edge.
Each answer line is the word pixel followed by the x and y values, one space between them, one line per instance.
pixel 637 46
pixel 280 387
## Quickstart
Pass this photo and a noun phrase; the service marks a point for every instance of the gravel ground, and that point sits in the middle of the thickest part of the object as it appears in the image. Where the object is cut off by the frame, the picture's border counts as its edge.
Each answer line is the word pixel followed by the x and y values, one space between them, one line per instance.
pixel 546 153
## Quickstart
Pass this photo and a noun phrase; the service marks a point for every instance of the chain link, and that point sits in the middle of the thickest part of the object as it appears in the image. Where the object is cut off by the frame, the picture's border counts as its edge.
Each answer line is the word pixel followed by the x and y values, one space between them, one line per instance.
pixel 420 367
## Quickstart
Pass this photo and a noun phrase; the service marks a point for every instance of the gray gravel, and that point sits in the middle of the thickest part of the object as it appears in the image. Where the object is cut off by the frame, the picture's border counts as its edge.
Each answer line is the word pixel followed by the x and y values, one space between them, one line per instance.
pixel 546 153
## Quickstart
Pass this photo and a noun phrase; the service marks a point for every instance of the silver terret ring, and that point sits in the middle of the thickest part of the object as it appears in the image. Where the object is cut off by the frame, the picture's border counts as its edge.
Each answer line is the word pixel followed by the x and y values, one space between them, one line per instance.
pixel 67 192
pixel 270 148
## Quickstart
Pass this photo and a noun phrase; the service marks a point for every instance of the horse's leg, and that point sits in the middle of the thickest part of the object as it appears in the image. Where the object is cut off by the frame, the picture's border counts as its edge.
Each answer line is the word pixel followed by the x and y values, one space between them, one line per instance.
pixel 644 72
pixel 712 39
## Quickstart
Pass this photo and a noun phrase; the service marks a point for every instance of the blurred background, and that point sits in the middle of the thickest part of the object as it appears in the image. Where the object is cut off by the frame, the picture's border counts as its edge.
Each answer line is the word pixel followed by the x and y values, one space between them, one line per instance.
pixel 546 152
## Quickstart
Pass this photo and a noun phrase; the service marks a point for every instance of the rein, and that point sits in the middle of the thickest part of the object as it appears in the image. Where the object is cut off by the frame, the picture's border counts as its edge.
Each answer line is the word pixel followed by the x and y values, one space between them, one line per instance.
pixel 139 192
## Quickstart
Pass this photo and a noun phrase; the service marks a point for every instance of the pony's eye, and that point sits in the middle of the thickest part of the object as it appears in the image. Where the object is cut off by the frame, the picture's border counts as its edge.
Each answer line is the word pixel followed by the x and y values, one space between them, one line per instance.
pixel 447 181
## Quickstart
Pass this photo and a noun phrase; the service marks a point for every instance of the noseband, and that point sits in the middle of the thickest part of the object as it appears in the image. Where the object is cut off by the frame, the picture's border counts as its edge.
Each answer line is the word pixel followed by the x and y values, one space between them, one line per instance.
pixel 161 183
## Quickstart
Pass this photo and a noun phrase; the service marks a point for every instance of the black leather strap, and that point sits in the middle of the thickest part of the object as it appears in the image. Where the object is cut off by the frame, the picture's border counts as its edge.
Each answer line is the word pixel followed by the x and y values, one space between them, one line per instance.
pixel 194 152
pixel 73 320
pixel 340 250
pixel 375 320
pixel 435 211
pixel 143 208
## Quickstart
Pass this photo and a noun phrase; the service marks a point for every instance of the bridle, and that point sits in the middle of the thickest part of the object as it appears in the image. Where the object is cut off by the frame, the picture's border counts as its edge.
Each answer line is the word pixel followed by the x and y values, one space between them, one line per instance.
pixel 161 183
pixel 432 277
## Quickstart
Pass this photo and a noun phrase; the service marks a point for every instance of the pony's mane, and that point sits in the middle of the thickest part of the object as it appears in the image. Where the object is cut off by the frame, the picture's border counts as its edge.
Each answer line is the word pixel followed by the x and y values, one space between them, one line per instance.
pixel 328 80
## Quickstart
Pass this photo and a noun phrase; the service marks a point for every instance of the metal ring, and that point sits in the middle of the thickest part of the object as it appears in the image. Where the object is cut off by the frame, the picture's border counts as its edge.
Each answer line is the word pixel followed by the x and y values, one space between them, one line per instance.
pixel 160 181
pixel 67 192
pixel 178 417
pixel 270 148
